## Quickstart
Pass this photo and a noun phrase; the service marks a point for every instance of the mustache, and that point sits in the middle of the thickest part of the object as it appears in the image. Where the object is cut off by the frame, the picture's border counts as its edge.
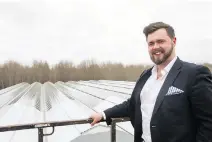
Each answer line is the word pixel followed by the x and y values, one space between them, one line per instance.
pixel 157 50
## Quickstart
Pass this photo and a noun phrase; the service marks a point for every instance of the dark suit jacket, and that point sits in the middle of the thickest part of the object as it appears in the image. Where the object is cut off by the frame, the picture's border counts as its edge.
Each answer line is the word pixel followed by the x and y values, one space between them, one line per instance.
pixel 184 117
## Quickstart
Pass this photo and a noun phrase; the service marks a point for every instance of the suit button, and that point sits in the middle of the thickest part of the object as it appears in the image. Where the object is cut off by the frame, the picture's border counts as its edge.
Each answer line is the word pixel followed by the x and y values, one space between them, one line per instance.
pixel 153 126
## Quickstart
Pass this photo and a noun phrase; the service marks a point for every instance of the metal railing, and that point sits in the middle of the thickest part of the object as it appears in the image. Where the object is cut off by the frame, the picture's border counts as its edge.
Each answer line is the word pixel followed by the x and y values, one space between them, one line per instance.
pixel 41 126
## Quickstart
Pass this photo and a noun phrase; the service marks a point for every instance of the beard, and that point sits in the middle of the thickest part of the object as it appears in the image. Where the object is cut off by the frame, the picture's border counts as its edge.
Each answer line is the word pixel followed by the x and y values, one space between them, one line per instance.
pixel 161 58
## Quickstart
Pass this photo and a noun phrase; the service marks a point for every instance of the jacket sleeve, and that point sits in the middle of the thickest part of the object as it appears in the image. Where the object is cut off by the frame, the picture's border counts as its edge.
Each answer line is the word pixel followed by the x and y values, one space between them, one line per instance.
pixel 201 102
pixel 120 110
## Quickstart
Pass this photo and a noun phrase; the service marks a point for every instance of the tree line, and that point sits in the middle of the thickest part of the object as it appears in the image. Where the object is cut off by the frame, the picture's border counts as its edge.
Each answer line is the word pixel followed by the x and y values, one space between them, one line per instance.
pixel 12 72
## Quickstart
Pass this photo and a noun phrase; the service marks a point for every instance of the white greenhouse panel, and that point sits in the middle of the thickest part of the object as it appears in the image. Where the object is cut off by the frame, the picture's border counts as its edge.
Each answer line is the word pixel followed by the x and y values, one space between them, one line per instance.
pixel 34 103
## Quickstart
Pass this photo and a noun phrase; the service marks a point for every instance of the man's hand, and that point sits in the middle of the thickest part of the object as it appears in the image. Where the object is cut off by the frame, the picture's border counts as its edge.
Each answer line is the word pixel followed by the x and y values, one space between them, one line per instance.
pixel 96 118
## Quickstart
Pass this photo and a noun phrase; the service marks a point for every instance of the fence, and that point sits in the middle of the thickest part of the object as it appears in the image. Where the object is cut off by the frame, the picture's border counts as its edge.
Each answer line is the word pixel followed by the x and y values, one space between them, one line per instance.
pixel 41 126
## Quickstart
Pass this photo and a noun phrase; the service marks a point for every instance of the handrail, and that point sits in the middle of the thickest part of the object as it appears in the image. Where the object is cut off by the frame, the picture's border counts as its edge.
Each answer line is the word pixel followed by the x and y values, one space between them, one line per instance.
pixel 53 124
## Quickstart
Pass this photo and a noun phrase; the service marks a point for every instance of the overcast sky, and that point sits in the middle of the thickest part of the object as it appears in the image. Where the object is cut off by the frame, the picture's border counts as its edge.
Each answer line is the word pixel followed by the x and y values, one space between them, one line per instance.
pixel 104 30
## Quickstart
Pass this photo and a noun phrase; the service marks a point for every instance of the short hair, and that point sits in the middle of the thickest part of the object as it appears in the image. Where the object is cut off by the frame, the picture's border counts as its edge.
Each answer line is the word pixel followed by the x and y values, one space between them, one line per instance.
pixel 152 27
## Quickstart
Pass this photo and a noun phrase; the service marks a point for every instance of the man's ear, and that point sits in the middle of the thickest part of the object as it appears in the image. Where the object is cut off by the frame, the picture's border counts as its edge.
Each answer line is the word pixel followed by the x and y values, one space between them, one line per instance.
pixel 174 40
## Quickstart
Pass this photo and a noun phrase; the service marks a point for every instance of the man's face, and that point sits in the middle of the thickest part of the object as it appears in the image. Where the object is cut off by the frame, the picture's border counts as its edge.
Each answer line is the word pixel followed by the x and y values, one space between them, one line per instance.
pixel 160 46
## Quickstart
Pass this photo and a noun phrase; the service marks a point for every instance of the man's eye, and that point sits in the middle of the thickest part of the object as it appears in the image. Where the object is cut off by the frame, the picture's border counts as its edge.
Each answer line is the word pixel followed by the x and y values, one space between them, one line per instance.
pixel 151 44
pixel 160 41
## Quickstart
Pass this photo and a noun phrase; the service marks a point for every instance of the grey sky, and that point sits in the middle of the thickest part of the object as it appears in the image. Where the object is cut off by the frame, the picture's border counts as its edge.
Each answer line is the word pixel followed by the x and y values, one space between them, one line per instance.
pixel 77 30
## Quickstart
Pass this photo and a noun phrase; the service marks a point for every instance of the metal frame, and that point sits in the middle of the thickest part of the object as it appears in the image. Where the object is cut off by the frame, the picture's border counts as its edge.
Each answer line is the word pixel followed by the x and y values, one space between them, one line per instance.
pixel 53 124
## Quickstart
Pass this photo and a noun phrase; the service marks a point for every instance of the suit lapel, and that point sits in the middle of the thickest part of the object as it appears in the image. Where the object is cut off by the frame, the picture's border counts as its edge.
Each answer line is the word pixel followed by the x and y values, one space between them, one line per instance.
pixel 142 80
pixel 137 91
pixel 167 83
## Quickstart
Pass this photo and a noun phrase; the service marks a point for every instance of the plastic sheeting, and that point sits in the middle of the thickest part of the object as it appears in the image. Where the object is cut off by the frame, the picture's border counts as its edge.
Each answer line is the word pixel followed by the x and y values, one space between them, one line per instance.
pixel 33 103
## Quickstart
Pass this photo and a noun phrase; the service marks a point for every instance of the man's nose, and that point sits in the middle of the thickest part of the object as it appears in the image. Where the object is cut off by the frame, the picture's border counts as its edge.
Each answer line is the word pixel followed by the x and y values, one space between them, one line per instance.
pixel 155 46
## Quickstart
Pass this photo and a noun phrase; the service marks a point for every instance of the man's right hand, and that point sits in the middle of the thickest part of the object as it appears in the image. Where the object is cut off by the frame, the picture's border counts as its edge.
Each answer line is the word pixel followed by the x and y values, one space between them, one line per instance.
pixel 96 118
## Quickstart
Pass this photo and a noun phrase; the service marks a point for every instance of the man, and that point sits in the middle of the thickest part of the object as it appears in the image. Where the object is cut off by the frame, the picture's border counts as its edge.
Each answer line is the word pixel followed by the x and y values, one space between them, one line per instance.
pixel 172 101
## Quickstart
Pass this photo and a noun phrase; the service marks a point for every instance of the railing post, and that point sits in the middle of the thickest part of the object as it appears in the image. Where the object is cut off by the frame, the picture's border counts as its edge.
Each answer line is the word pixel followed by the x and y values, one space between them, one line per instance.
pixel 40 134
pixel 113 131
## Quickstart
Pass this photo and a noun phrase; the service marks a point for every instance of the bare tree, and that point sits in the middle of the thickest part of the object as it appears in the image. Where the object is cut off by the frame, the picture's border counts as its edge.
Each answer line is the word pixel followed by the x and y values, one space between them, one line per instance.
pixel 12 72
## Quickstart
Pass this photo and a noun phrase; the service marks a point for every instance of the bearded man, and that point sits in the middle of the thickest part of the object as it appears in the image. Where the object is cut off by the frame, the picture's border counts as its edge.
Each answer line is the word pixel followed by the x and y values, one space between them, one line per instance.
pixel 171 101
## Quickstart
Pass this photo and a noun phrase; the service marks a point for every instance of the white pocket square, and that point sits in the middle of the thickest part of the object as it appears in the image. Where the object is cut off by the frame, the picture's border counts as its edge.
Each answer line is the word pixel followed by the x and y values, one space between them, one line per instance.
pixel 173 91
